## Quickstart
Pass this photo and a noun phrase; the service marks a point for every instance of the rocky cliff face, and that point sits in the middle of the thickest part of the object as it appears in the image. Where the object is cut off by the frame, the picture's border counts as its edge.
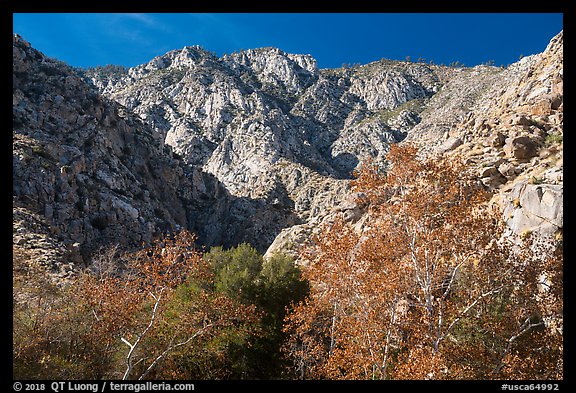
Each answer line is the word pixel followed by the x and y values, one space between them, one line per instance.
pixel 513 139
pixel 505 124
pixel 259 145
pixel 91 170
pixel 271 126
pixel 240 114
pixel 88 172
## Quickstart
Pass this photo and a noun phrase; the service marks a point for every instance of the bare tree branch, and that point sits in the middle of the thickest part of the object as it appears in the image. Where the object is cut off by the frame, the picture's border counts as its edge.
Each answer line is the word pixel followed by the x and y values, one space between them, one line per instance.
pixel 129 364
pixel 172 347
pixel 468 308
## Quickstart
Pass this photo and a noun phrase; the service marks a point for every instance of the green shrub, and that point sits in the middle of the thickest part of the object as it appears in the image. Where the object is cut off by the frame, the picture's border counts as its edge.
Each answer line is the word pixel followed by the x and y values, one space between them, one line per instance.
pixel 272 286
pixel 554 137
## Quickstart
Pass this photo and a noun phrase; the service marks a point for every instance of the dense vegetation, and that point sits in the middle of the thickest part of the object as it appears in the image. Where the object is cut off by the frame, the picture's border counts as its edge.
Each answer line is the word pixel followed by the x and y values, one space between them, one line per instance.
pixel 430 290
pixel 167 312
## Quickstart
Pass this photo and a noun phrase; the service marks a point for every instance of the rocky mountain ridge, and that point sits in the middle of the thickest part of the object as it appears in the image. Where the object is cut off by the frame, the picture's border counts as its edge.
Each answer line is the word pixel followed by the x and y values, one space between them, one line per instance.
pixel 506 126
pixel 88 173
pixel 259 145
pixel 271 125
pixel 91 171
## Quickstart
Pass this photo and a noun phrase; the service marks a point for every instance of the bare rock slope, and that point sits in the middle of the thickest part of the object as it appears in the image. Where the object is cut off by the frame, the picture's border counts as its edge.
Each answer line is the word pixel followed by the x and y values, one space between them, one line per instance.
pixel 260 145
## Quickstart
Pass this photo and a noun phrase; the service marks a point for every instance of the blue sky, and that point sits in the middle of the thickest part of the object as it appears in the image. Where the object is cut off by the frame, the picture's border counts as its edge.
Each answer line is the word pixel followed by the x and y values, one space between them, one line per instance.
pixel 92 39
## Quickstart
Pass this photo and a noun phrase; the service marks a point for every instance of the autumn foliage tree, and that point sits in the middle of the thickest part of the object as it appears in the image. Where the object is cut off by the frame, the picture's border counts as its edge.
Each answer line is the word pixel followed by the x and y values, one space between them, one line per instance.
pixel 429 289
pixel 155 315
pixel 168 311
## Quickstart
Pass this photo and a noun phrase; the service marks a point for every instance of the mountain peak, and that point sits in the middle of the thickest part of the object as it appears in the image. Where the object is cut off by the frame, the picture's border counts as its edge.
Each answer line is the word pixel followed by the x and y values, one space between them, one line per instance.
pixel 277 139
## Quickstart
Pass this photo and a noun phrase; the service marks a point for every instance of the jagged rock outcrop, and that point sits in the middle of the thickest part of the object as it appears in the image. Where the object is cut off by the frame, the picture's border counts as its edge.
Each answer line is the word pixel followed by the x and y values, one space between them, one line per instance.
pixel 89 167
pixel 535 207
pixel 352 209
pixel 97 175
pixel 271 126
pixel 259 145
pixel 36 248
pixel 506 125
pixel 238 115
pixel 513 138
